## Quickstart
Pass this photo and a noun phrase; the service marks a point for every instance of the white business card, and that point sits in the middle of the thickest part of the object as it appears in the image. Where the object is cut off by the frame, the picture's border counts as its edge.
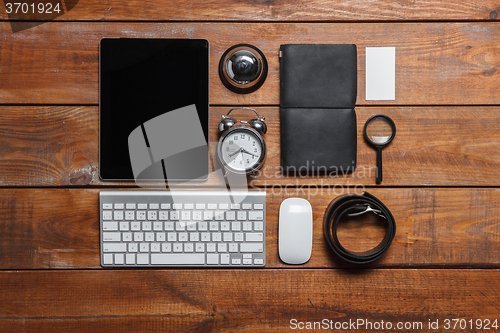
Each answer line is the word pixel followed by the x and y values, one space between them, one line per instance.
pixel 380 73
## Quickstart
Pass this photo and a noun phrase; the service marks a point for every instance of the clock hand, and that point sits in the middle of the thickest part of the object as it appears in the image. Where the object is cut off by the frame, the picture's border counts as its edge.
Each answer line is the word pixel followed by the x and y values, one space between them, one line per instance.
pixel 236 152
pixel 246 151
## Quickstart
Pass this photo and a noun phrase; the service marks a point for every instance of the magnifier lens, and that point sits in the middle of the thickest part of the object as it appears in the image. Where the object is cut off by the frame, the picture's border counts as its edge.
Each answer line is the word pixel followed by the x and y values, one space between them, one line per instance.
pixel 379 131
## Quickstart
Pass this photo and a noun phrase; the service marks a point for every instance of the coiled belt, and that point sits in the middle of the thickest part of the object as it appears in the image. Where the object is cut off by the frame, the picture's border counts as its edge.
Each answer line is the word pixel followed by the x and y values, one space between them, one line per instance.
pixel 352 205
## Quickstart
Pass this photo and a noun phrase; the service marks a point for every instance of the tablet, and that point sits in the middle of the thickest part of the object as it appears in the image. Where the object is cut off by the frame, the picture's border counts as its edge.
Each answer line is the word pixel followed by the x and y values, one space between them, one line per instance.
pixel 146 82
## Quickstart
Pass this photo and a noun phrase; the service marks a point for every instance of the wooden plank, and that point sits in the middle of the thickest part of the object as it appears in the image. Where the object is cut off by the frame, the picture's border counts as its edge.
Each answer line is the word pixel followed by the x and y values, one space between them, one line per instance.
pixel 244 300
pixel 59 228
pixel 439 146
pixel 436 63
pixel 314 10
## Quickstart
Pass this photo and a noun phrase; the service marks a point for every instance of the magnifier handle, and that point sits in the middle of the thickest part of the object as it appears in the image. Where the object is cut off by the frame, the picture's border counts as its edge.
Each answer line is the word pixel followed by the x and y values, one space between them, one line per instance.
pixel 379 165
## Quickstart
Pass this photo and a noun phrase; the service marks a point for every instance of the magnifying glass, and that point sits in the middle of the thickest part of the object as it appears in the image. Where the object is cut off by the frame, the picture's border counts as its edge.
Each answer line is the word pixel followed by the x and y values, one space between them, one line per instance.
pixel 379 131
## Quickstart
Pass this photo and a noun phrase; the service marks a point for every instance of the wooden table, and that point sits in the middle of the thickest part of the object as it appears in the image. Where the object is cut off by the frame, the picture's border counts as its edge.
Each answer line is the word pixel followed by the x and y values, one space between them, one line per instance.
pixel 441 173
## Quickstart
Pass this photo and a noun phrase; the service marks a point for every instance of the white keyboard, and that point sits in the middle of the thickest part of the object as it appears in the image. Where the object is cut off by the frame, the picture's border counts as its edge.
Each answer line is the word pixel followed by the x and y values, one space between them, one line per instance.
pixel 183 228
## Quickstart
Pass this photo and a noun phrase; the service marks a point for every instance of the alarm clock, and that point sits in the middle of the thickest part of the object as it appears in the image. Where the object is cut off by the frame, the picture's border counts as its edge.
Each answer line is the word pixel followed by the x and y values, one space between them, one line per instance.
pixel 241 148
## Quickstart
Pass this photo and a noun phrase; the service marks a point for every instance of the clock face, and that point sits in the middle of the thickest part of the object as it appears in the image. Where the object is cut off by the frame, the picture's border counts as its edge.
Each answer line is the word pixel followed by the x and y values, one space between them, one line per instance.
pixel 241 149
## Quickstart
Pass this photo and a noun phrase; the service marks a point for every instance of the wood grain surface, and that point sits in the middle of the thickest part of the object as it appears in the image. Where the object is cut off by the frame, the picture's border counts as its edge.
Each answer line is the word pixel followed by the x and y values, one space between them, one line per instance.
pixel 59 228
pixel 291 10
pixel 436 63
pixel 229 301
pixel 438 146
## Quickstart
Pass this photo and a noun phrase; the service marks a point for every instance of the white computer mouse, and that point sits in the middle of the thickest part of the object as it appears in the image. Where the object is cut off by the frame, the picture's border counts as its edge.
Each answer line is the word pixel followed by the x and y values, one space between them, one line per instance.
pixel 295 231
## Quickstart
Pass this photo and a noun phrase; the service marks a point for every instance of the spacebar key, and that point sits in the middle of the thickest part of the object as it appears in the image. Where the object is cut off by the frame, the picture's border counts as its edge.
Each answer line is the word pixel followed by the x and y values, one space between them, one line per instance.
pixel 178 259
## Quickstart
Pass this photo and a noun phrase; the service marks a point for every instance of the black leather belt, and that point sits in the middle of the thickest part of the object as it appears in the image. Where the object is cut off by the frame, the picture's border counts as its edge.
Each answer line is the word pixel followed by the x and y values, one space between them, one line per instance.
pixel 352 205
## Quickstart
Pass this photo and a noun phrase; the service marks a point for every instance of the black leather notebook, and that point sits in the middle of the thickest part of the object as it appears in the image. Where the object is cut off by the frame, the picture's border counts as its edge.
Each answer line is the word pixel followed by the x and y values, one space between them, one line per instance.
pixel 318 88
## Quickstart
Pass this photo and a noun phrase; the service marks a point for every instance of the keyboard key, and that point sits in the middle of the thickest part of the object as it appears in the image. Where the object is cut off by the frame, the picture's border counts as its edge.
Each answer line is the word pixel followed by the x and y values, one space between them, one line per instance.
pixel 185 215
pixel 251 247
pixel 242 216
pixel 224 206
pixel 247 261
pixel 188 247
pixel 111 236
pixel 216 237
pixel 236 261
pixel 130 258
pixel 254 237
pixel 258 206
pixel 138 237
pixel 141 215
pixel 127 236
pixel 143 259
pixel 225 226
pixel 197 215
pixel 174 216
pixel 246 206
pixel 256 215
pixel 119 259
pixel 212 206
pixel 152 214
pixel 235 206
pixel 135 226
pixel 130 206
pixel 177 247
pixel 200 206
pixel 155 247
pixel 180 226
pixel 129 215
pixel 208 216
pixel 177 206
pixel 144 247
pixel 211 247
pixel 205 237
pixel 154 206
pixel 142 206
pixel 172 236
pixel 224 259
pixel 203 226
pixel 119 206
pixel 212 259
pixel 228 237
pixel 158 226
pixel 233 247
pixel 110 226
pixel 114 247
pixel 107 215
pixel 165 206
pixel 149 236
pixel 108 259
pixel 178 259
pixel 235 226
pixel 194 237
pixel 259 226
pixel 191 226
pixel 247 256
pixel 183 237
pixel 107 206
pixel 258 261
pixel 169 226
pixel 132 247
pixel 238 237
pixel 146 226
pixel 188 206
pixel 230 215
pixel 160 236
pixel 163 216
pixel 219 215
pixel 166 247
pixel 222 247
pixel 214 226
pixel 200 247
pixel 247 226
